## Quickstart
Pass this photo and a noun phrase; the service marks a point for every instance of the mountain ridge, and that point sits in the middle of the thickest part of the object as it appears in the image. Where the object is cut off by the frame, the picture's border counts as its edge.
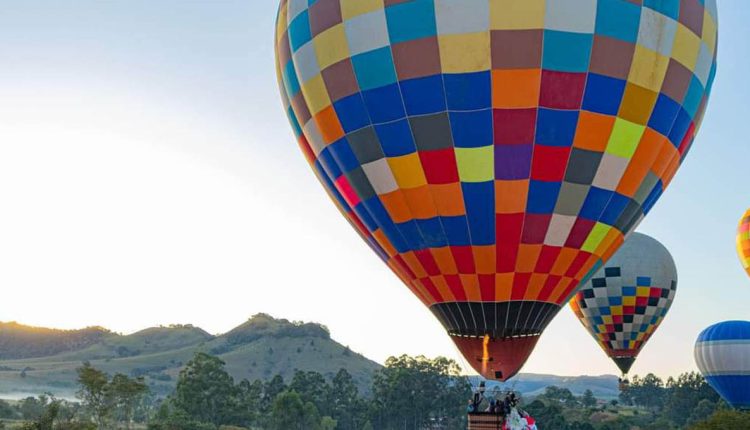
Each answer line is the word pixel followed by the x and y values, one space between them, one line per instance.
pixel 23 341
pixel 259 348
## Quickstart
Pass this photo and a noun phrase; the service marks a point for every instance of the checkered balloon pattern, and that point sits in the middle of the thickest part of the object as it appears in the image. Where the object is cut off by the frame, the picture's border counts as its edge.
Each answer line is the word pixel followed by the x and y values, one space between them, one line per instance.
pixel 625 301
pixel 743 241
pixel 495 152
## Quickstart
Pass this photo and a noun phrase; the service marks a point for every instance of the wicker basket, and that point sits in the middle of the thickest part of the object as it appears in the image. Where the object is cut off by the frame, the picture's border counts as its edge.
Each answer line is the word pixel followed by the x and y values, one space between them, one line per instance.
pixel 486 421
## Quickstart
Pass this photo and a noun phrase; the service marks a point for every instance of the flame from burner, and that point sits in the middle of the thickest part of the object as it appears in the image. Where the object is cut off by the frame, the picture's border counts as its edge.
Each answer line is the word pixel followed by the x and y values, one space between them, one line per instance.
pixel 485 353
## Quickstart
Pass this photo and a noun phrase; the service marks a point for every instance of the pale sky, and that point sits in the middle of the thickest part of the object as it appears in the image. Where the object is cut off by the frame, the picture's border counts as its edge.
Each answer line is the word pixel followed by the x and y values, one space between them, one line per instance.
pixel 148 176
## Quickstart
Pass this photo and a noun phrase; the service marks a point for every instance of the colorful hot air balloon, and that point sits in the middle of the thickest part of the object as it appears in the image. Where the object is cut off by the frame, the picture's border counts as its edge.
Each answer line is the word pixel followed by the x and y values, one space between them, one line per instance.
pixel 743 241
pixel 625 301
pixel 492 152
pixel 722 353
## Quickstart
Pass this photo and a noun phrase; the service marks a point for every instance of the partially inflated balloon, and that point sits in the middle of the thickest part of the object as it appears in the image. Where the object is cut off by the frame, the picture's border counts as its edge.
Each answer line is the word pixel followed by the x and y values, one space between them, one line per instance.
pixel 625 301
pixel 743 241
pixel 495 152
pixel 722 354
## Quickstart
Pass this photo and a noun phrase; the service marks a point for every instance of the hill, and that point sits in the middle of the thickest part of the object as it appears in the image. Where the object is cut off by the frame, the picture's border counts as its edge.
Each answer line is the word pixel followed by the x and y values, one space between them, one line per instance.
pixel 258 349
pixel 604 387
pixel 20 341
pixel 35 360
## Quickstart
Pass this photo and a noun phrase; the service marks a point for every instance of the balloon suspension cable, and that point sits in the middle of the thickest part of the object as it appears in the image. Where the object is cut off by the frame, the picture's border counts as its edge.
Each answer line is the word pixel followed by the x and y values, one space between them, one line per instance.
pixel 624 383
pixel 467 370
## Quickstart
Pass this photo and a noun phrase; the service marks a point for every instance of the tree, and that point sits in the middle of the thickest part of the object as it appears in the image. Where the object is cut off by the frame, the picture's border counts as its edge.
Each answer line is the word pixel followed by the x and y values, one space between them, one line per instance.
pixel 626 396
pixel 6 410
pixel 95 394
pixel 411 392
pixel 562 396
pixel 547 415
pixel 684 394
pixel 648 392
pixel 348 409
pixel 312 387
pixel 660 423
pixel 170 418
pixel 46 420
pixel 290 412
pixel 105 399
pixel 328 423
pixel 127 394
pixel 271 389
pixel 205 391
pixel 53 414
pixel 588 400
pixel 725 419
pixel 32 408
pixel 580 426
pixel 249 397
pixel 704 408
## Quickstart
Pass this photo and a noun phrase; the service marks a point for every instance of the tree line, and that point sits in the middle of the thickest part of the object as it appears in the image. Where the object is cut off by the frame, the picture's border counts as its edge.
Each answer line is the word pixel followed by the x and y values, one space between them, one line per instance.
pixel 407 393
pixel 648 403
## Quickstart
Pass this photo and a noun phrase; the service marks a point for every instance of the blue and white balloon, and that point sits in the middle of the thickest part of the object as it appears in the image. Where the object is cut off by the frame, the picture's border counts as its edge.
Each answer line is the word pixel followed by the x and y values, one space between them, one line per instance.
pixel 722 353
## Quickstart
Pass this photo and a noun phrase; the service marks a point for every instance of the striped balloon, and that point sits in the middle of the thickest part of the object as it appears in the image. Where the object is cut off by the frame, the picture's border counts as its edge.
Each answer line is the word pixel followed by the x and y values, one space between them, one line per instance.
pixel 722 353
pixel 743 241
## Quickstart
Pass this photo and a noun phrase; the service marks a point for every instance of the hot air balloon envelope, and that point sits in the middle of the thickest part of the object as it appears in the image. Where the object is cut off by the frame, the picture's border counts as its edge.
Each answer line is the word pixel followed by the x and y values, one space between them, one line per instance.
pixel 722 353
pixel 494 153
pixel 623 304
pixel 743 241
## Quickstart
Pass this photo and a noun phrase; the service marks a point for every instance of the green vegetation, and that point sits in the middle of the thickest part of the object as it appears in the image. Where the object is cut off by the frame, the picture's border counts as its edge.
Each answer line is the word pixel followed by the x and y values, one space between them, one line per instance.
pixel 604 387
pixel 258 349
pixel 648 404
pixel 48 413
pixel 275 374
pixel 408 393
pixel 725 419
pixel 420 391
pixel 106 403
pixel 411 393
pixel 110 400
pixel 18 341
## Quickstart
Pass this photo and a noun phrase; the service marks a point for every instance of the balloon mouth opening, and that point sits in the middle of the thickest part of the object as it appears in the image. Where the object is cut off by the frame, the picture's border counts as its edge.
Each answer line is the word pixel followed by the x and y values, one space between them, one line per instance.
pixel 496 358
pixel 624 360
pixel 495 338
pixel 622 353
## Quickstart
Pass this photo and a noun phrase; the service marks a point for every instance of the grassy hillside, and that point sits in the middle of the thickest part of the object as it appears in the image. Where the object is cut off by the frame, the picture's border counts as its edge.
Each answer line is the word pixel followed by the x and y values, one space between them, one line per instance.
pixel 258 349
pixel 19 341
pixel 145 342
